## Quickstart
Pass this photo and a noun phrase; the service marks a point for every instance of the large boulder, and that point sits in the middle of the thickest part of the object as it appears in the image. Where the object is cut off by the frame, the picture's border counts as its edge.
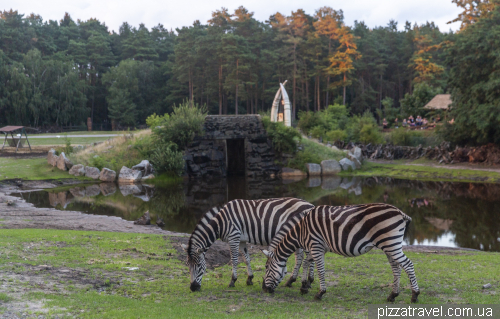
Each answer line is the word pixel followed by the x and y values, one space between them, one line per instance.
pixel 355 160
pixel 145 167
pixel 313 169
pixel 346 163
pixel 92 190
pixel 356 151
pixel 130 189
pixel 314 181
pixel 63 163
pixel 330 167
pixel 107 175
pixel 52 157
pixel 77 170
pixel 128 175
pixel 92 172
pixel 107 188
pixel 330 182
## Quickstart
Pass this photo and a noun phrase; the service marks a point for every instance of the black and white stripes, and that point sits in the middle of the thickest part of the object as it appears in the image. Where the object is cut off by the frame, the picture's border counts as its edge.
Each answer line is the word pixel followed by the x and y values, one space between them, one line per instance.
pixel 239 222
pixel 345 230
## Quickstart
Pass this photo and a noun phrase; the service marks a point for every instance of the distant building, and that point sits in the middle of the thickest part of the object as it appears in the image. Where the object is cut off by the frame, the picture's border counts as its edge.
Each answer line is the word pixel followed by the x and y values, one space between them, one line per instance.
pixel 439 102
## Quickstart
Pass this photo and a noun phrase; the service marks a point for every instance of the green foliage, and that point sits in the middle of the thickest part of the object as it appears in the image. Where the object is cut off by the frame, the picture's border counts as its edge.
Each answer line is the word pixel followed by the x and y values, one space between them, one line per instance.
pixel 284 138
pixel 166 159
pixel 318 123
pixel 313 152
pixel 185 122
pixel 336 135
pixel 156 120
pixel 317 131
pixel 364 129
pixel 405 137
pixel 413 104
pixel 474 79
pixel 309 120
pixel 100 163
pixel 389 112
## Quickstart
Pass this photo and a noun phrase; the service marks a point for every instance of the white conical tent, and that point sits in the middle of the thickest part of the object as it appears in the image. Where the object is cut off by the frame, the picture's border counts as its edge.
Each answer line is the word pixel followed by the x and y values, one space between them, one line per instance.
pixel 274 110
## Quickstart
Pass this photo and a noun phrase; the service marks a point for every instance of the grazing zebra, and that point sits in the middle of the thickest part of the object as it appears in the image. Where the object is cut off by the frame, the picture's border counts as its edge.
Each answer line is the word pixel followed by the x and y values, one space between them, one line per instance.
pixel 238 222
pixel 349 231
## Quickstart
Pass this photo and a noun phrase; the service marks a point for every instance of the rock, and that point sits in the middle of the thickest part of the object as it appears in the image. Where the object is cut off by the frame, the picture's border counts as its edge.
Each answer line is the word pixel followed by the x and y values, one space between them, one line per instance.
pixel 487 286
pixel 357 190
pixel 313 169
pixel 77 191
pixel 290 172
pixel 107 188
pixel 77 170
pixel 330 182
pixel 346 163
pixel 52 157
pixel 107 175
pixel 356 151
pixel 346 183
pixel 10 203
pixel 145 167
pixel 92 172
pixel 145 178
pixel 160 222
pixel 129 189
pixel 128 175
pixel 144 220
pixel 314 181
pixel 330 167
pixel 92 190
pixel 63 163
pixel 355 160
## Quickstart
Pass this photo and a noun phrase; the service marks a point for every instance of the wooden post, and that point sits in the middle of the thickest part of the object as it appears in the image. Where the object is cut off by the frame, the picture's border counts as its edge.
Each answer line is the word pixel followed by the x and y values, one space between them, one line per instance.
pixel 89 124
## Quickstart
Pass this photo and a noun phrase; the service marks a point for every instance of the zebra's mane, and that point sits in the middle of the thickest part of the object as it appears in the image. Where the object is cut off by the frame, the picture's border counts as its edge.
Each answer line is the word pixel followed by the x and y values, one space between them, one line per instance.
pixel 205 219
pixel 292 222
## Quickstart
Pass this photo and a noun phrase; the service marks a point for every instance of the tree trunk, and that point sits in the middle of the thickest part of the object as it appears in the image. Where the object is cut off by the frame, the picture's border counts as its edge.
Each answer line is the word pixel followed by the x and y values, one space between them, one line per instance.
pixel 236 96
pixel 307 89
pixel 220 89
pixel 318 92
pixel 314 94
pixel 344 88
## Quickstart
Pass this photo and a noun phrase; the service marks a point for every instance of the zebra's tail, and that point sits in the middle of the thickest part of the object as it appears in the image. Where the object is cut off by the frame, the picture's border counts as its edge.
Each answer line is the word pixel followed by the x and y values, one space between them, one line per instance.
pixel 407 219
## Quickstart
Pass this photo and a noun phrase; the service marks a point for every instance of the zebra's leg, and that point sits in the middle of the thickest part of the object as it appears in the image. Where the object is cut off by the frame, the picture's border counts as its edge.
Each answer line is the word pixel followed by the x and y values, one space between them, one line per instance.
pixel 396 271
pixel 399 257
pixel 243 248
pixel 319 259
pixel 234 248
pixel 306 284
pixel 299 257
pixel 311 271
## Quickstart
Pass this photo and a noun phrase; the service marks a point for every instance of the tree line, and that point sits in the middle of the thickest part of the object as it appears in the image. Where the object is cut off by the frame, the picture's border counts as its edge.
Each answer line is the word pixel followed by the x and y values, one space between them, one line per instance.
pixel 61 72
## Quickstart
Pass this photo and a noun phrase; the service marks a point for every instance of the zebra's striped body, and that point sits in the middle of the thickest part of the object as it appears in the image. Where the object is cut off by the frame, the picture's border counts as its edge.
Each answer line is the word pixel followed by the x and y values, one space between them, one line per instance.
pixel 239 222
pixel 349 231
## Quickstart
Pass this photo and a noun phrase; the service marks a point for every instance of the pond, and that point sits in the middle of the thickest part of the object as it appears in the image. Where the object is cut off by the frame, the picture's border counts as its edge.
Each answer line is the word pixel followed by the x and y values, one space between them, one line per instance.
pixel 444 213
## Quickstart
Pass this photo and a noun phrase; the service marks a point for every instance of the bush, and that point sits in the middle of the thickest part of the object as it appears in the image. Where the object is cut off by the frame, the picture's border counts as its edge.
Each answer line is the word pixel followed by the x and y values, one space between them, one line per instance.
pixel 166 159
pixel 370 133
pixel 185 122
pixel 336 135
pixel 308 120
pixel 284 138
pixel 100 163
pixel 364 129
pixel 317 131
pixel 404 137
pixel 332 118
pixel 154 120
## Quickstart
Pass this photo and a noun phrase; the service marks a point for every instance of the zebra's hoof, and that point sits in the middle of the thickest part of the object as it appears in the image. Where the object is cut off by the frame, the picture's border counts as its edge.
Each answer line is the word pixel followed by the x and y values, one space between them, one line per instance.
pixel 319 295
pixel 311 280
pixel 392 296
pixel 414 296
pixel 304 291
pixel 249 281
pixel 290 282
pixel 306 284
pixel 231 284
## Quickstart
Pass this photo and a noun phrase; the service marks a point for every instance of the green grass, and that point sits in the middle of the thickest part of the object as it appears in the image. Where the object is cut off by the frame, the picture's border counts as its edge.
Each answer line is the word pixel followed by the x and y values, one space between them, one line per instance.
pixel 102 288
pixel 425 173
pixel 85 133
pixel 313 153
pixel 31 169
pixel 62 141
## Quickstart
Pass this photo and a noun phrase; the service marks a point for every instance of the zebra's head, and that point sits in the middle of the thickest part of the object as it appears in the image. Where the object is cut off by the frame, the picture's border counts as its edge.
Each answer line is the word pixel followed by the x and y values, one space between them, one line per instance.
pixel 275 272
pixel 197 265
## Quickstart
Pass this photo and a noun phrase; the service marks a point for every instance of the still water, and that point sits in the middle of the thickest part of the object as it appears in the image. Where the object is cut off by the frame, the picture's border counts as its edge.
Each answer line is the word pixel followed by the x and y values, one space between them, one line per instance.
pixel 444 213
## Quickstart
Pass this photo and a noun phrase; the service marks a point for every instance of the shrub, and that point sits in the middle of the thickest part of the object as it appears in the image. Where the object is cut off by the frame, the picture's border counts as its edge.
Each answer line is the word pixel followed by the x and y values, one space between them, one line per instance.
pixel 100 163
pixel 370 133
pixel 336 135
pixel 364 129
pixel 154 120
pixel 308 120
pixel 284 138
pixel 185 122
pixel 317 131
pixel 166 159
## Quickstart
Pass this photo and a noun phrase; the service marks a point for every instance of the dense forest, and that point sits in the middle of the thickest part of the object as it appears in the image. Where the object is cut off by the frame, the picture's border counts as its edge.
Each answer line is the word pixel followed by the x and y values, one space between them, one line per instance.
pixel 61 72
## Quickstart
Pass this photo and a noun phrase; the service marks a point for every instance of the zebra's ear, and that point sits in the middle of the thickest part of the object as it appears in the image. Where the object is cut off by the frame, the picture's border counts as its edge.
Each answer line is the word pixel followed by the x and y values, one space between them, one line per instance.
pixel 185 247
pixel 268 254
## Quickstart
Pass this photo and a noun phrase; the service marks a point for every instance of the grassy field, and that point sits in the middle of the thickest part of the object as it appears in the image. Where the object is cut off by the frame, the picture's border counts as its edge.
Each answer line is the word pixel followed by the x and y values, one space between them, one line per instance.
pixel 82 274
pixel 62 141
pixel 31 169
pixel 426 173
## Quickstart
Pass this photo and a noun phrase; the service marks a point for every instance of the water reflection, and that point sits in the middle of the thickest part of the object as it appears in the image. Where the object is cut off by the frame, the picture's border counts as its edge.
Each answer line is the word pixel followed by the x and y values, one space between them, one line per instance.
pixel 443 213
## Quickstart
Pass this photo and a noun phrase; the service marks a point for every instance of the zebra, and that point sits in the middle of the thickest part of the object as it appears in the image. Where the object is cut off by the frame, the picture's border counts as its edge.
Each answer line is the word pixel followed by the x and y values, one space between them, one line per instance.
pixel 238 222
pixel 349 231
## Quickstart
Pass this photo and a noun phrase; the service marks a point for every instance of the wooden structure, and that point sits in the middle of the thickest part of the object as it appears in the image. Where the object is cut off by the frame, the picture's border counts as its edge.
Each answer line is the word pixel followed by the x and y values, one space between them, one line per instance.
pixel 439 102
pixel 15 141
pixel 286 116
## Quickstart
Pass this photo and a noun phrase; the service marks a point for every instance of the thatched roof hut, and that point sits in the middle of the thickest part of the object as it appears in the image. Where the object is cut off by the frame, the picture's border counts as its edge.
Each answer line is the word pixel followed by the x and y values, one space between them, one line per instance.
pixel 439 102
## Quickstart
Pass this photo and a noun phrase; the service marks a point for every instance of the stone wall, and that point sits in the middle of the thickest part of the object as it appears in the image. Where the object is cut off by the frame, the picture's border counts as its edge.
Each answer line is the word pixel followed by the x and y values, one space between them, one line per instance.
pixel 206 156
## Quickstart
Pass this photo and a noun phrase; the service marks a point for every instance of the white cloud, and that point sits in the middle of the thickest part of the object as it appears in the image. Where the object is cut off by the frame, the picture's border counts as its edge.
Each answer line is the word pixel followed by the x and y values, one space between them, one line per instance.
pixel 174 14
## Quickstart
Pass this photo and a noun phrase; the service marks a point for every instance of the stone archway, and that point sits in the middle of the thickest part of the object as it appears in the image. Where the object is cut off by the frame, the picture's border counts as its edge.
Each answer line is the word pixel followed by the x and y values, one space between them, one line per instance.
pixel 281 95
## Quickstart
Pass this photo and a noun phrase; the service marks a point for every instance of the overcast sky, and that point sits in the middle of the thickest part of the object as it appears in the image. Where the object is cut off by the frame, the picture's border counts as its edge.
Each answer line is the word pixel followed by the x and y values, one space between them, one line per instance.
pixel 174 14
